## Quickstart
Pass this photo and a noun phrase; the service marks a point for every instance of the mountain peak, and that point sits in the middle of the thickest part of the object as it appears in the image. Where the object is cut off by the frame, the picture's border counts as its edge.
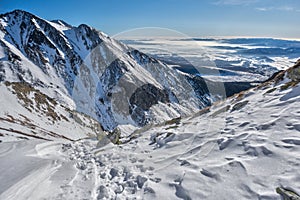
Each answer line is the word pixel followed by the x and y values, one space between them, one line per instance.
pixel 17 12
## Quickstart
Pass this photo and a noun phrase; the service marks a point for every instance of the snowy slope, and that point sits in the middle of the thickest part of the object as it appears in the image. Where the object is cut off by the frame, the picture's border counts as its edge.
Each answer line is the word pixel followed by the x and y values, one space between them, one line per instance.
pixel 92 73
pixel 27 113
pixel 241 148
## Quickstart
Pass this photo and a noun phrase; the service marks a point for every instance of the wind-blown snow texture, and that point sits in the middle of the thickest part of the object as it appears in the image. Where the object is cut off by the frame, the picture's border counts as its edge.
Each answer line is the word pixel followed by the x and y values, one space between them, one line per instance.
pixel 241 148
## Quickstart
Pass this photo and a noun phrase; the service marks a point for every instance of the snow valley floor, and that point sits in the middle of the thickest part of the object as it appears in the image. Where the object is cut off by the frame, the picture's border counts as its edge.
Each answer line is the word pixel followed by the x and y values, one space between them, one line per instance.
pixel 241 148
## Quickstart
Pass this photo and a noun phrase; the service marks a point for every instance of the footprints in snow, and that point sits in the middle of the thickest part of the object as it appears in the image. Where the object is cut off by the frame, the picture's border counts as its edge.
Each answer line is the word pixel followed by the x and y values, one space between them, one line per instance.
pixel 83 182
pixel 161 139
pixel 113 174
pixel 294 141
pixel 210 174
pixel 181 192
pixel 291 126
pixel 121 178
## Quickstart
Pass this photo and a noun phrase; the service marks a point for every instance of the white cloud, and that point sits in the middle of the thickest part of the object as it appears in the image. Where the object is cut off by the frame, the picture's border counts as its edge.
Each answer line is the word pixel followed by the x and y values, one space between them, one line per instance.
pixel 286 8
pixel 263 9
pixel 235 2
pixel 281 8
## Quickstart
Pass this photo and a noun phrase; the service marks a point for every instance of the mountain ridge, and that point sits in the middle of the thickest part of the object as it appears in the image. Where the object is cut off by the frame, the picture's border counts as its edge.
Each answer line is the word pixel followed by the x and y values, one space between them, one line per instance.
pixel 86 69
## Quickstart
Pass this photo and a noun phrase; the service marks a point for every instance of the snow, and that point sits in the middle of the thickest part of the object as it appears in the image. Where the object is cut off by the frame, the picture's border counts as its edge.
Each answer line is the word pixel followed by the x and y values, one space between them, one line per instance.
pixel 35 123
pixel 2 54
pixel 103 53
pixel 36 24
pixel 21 180
pixel 77 43
pixel 60 27
pixel 240 148
pixel 27 65
pixel 243 148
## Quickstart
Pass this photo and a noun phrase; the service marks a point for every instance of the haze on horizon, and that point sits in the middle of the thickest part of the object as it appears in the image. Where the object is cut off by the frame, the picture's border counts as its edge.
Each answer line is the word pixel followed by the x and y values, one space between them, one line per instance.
pixel 237 18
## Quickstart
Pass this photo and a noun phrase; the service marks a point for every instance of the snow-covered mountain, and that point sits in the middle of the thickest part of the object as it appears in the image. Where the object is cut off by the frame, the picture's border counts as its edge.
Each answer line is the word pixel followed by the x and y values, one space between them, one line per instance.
pixel 88 71
pixel 245 147
pixel 57 82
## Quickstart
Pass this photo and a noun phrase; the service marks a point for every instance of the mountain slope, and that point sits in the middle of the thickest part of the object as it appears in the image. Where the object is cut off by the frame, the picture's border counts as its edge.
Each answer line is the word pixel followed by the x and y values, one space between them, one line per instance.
pixel 88 71
pixel 26 113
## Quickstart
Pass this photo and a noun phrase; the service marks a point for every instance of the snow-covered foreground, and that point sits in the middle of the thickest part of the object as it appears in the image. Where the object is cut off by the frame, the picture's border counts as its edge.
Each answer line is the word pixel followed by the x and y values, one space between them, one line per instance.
pixel 242 148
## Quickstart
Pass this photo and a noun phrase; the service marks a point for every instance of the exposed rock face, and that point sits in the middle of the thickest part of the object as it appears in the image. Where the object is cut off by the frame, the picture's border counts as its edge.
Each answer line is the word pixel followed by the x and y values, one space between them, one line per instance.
pixel 294 72
pixel 143 99
pixel 200 86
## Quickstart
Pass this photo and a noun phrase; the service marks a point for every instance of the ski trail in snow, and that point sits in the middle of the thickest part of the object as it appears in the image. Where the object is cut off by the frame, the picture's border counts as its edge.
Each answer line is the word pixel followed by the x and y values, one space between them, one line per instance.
pixel 35 184
pixel 81 183
pixel 55 171
pixel 96 182
pixel 7 150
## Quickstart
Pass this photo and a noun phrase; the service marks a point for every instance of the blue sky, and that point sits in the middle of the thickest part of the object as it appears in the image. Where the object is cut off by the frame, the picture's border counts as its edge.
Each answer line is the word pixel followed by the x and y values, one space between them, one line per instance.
pixel 260 18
